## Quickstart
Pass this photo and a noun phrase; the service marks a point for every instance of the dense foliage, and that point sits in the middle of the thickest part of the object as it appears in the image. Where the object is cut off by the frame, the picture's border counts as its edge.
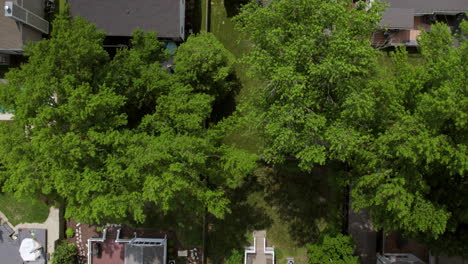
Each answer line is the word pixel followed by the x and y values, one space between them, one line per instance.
pixel 415 162
pixel 113 136
pixel 64 254
pixel 337 249
pixel 236 257
pixel 400 132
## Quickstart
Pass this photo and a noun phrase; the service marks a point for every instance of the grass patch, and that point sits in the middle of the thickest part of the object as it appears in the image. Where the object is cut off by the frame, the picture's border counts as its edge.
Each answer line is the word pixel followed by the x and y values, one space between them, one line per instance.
pixel 293 206
pixel 23 211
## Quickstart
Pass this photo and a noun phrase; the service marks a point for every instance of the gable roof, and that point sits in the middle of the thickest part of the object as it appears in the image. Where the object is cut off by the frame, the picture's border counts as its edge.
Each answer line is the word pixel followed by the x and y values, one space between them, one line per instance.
pixel 398 18
pixel 122 17
pixel 400 13
pixel 422 7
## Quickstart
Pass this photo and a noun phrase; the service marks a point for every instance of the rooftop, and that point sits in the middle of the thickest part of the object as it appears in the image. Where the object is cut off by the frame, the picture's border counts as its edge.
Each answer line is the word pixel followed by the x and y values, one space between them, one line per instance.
pixel 9 247
pixel 431 6
pixel 122 17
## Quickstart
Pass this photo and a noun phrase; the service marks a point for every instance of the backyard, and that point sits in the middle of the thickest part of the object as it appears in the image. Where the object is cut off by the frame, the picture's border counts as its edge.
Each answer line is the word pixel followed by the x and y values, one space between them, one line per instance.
pixel 291 205
pixel 23 211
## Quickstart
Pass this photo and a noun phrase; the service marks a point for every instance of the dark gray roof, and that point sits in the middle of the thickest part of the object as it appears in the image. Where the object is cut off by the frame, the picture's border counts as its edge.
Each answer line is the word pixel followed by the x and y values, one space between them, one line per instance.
pixel 144 254
pixel 122 17
pixel 9 248
pixel 398 18
pixel 431 6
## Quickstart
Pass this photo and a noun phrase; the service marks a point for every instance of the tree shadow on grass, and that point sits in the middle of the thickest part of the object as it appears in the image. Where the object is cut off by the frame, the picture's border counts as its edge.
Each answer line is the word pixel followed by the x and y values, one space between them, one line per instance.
pixel 308 203
pixel 233 6
pixel 226 105
pixel 230 233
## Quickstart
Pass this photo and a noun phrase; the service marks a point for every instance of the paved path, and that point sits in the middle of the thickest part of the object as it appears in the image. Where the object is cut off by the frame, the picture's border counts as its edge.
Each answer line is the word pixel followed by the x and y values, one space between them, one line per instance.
pixel 260 257
pixel 52 224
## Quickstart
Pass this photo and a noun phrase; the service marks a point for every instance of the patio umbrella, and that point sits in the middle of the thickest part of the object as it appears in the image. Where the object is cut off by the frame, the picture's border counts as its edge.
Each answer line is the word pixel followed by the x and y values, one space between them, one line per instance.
pixel 30 249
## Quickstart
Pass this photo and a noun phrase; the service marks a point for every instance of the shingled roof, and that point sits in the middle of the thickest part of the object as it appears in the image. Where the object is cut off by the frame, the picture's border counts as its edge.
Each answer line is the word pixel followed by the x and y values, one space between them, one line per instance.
pixel 122 17
pixel 422 7
pixel 398 18
pixel 400 13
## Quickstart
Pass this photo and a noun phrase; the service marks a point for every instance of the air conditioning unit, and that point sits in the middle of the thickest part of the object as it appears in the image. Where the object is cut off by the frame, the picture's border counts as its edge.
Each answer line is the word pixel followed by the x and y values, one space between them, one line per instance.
pixel 4 59
pixel 25 16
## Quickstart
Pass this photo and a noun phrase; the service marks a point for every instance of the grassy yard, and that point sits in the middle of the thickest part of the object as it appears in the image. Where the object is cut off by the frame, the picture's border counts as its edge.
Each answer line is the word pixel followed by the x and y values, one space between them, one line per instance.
pixel 293 206
pixel 23 211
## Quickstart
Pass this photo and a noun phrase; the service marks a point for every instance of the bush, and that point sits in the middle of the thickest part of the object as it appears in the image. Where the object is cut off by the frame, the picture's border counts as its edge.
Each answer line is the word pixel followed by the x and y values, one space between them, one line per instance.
pixel 236 258
pixel 64 254
pixel 70 232
pixel 332 249
pixel 100 229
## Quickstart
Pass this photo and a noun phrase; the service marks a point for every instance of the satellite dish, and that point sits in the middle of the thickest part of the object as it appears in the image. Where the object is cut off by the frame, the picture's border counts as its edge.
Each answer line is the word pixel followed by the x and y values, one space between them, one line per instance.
pixel 30 249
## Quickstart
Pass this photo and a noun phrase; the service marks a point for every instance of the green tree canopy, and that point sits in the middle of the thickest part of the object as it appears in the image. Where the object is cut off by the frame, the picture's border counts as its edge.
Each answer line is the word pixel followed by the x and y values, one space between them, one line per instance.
pixel 399 131
pixel 414 166
pixel 311 55
pixel 337 249
pixel 113 136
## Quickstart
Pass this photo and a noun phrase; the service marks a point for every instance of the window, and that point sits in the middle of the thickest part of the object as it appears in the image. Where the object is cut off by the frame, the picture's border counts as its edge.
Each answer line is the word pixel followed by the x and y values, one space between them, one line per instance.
pixel 4 59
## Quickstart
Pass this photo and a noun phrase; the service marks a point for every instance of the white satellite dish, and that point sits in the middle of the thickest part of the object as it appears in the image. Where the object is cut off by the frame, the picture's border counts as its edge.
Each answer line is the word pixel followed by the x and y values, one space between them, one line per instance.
pixel 30 249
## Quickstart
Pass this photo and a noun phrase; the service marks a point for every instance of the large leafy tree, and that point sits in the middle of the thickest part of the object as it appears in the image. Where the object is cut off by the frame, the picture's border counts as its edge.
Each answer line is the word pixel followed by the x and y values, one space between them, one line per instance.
pixel 110 137
pixel 310 55
pixel 415 162
pixel 399 131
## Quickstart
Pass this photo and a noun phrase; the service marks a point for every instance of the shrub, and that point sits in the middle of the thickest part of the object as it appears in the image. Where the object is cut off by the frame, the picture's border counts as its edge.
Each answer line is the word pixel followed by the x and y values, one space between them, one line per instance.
pixel 332 249
pixel 236 257
pixel 64 254
pixel 70 232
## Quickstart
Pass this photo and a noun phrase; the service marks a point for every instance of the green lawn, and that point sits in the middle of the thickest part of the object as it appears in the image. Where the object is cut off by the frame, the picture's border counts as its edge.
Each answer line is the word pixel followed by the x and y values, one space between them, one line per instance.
pixel 23 211
pixel 293 206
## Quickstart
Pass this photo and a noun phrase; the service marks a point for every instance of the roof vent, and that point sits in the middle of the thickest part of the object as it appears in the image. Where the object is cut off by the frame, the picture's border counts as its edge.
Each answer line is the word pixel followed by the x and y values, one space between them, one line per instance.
pixel 25 16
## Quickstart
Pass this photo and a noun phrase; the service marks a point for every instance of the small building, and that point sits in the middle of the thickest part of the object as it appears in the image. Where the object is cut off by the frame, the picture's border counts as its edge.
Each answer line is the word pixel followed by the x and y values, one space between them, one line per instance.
pixel 119 18
pixel 22 246
pixel 20 22
pixel 110 248
pixel 403 20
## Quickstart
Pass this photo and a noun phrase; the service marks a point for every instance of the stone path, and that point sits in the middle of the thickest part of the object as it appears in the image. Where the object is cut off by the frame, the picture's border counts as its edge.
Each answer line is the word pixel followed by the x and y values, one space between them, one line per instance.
pixel 79 243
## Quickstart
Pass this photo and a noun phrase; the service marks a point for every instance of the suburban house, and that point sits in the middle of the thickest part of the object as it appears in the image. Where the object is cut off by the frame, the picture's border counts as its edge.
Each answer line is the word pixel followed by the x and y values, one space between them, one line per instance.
pixel 119 18
pixel 21 21
pixel 403 20
pixel 111 248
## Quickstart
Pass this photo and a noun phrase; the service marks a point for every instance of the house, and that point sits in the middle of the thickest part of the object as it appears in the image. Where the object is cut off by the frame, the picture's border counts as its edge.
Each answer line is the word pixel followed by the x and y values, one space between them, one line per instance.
pixel 23 246
pixel 111 248
pixel 21 21
pixel 119 18
pixel 403 20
